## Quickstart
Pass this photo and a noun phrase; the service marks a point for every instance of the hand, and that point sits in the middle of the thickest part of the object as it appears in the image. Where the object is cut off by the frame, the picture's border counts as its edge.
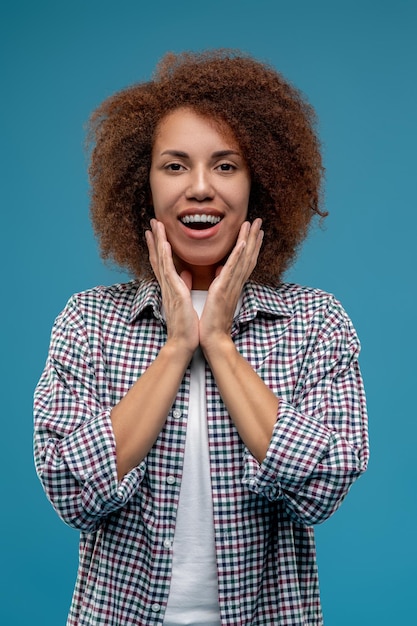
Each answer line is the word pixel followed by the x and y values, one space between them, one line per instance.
pixel 224 292
pixel 181 318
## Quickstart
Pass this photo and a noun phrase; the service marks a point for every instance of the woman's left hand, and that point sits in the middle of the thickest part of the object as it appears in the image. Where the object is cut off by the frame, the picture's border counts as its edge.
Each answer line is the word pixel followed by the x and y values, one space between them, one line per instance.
pixel 224 292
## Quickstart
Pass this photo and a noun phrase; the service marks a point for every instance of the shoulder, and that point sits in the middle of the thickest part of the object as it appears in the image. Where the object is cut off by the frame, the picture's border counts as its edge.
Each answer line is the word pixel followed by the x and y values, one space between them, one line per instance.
pixel 102 301
pixel 309 299
pixel 297 297
pixel 308 307
pixel 118 294
pixel 322 313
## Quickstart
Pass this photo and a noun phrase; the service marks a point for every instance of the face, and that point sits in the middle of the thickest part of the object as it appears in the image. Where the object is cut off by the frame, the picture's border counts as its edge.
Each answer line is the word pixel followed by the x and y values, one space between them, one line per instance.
pixel 200 187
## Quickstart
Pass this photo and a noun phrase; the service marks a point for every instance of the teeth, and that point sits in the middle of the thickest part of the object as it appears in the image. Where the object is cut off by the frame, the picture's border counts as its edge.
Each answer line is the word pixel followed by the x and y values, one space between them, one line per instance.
pixel 203 218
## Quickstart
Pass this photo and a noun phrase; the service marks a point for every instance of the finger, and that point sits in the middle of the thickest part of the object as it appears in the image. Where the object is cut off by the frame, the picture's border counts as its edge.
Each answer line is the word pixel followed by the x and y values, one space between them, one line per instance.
pixel 243 232
pixel 187 278
pixel 245 228
pixel 167 261
pixel 249 232
pixel 233 263
pixel 243 258
pixel 153 258
pixel 253 235
pixel 160 255
pixel 254 243
pixel 168 272
pixel 246 241
pixel 162 249
pixel 158 231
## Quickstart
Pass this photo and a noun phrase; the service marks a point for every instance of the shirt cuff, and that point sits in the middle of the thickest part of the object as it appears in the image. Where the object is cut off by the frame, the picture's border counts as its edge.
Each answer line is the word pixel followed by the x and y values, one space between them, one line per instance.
pixel 297 445
pixel 89 454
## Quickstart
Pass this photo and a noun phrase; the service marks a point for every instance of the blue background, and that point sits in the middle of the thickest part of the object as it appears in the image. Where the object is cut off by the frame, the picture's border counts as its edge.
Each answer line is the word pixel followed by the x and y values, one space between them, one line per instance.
pixel 356 62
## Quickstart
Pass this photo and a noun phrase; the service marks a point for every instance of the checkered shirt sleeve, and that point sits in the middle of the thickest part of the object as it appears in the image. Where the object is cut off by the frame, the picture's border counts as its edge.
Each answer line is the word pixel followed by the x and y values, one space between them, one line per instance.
pixel 319 445
pixel 75 453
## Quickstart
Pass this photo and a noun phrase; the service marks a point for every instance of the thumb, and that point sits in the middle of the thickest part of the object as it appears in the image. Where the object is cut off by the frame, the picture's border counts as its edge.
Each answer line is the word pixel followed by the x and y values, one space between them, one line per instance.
pixel 187 278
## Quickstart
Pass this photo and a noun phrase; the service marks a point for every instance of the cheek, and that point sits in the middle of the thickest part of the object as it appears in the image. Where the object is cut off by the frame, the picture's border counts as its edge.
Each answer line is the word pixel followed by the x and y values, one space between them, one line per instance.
pixel 157 199
pixel 242 194
pixel 163 211
pixel 164 196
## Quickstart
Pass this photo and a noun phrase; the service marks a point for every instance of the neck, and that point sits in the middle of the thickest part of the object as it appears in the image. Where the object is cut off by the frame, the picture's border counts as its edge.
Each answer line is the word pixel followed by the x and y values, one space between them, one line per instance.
pixel 201 275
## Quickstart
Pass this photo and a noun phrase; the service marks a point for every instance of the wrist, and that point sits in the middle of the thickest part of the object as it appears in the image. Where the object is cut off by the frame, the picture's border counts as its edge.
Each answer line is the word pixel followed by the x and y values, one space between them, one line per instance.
pixel 218 346
pixel 178 350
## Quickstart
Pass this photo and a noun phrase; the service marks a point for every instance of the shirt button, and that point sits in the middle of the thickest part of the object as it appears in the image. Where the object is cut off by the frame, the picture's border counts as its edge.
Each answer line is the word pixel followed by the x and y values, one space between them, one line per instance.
pixel 177 414
pixel 171 480
pixel 156 607
pixel 167 543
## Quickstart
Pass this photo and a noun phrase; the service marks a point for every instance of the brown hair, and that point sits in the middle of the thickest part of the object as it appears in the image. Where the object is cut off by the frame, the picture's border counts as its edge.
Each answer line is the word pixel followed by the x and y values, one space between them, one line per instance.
pixel 271 121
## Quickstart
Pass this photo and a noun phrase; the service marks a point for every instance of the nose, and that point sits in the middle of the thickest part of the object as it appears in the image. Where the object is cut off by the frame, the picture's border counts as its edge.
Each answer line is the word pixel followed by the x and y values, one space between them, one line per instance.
pixel 200 186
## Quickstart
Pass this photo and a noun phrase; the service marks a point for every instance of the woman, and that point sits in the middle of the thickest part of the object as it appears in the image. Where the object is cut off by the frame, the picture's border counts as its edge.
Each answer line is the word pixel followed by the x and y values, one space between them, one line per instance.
pixel 196 422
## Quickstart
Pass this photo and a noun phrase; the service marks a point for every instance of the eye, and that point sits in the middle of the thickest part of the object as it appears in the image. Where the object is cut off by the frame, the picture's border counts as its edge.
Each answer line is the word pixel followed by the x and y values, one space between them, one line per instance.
pixel 226 167
pixel 174 167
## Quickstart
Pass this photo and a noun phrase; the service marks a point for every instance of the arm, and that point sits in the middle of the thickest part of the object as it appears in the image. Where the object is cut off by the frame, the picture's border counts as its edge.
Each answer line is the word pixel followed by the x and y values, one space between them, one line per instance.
pixel 140 416
pixel 250 403
pixel 319 445
pixel 74 444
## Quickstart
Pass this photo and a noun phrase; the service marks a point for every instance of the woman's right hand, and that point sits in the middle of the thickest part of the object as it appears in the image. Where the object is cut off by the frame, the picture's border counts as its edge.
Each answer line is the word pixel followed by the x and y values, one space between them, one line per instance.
pixel 181 318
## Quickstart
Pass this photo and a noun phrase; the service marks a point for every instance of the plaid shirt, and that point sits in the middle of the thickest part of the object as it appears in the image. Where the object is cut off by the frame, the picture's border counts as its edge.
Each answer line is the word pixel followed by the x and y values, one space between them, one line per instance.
pixel 302 344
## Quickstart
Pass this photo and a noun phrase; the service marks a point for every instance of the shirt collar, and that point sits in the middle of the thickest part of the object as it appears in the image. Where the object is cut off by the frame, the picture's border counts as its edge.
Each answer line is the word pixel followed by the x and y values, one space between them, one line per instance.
pixel 147 298
pixel 264 300
pixel 257 299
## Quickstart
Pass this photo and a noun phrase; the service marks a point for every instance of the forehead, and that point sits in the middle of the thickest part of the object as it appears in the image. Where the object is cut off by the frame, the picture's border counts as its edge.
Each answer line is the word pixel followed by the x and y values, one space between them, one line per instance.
pixel 188 121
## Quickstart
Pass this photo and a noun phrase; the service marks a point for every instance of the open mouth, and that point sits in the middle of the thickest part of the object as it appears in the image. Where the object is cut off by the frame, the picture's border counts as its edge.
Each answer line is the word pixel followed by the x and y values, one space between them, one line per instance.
pixel 200 221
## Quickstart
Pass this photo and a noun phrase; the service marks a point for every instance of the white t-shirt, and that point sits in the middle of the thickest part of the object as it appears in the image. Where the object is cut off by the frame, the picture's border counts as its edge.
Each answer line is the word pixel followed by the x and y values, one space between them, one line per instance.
pixel 193 597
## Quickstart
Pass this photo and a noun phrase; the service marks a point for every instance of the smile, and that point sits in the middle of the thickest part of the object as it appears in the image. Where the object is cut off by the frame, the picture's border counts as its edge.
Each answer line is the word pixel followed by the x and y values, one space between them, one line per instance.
pixel 200 221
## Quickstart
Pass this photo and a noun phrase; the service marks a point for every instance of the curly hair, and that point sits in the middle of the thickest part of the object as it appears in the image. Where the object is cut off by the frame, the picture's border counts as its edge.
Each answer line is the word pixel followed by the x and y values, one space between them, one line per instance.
pixel 271 121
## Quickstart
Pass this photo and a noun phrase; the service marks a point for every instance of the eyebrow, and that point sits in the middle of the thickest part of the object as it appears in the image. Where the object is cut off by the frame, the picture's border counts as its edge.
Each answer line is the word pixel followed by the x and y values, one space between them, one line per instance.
pixel 185 155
